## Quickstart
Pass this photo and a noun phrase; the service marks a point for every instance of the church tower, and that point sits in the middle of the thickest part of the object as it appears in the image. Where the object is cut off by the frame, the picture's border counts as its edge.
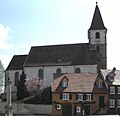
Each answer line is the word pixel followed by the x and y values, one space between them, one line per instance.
pixel 97 38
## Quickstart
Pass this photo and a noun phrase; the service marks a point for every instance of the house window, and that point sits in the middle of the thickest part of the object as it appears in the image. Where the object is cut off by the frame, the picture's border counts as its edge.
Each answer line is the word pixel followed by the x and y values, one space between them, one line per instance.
pixel 118 103
pixel 118 90
pixel 111 103
pixel 78 109
pixel 65 96
pixel 58 106
pixel 40 74
pixel 80 97
pixel 16 78
pixel 100 84
pixel 77 70
pixel 64 84
pixel 112 90
pixel 58 71
pixel 88 97
pixel 97 35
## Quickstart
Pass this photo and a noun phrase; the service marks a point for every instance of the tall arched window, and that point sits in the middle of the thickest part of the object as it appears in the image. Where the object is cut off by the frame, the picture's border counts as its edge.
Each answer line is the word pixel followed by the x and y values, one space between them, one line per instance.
pixel 40 74
pixel 58 71
pixel 77 70
pixel 97 35
pixel 16 78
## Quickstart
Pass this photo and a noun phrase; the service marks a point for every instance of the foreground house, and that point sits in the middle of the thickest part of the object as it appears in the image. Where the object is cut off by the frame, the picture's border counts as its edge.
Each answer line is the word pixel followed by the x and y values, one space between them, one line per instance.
pixel 77 94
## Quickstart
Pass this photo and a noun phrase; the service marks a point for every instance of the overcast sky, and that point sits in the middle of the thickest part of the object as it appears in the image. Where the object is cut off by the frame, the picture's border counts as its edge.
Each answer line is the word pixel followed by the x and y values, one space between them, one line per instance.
pixel 26 23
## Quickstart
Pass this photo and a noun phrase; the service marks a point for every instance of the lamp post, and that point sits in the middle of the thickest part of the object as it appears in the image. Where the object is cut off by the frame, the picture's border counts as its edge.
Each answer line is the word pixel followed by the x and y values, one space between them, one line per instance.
pixel 8 106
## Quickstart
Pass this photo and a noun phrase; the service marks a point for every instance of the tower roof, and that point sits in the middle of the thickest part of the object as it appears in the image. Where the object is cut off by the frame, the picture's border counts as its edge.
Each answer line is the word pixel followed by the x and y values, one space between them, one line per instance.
pixel 97 22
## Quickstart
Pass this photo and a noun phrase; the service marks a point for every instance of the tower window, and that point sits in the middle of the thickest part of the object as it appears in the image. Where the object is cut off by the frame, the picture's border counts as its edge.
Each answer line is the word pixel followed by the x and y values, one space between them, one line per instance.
pixel 40 74
pixel 97 35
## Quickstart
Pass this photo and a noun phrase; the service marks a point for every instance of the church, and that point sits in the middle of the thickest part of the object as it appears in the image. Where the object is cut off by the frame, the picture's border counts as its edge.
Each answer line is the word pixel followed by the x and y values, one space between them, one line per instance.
pixel 43 61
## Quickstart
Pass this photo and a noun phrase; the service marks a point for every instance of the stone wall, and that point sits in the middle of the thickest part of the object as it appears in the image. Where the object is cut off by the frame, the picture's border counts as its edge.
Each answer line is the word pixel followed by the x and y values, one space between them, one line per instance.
pixel 27 109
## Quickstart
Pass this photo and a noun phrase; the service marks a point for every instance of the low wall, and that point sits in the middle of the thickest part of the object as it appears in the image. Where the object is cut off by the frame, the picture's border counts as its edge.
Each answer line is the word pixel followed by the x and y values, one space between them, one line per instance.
pixel 27 109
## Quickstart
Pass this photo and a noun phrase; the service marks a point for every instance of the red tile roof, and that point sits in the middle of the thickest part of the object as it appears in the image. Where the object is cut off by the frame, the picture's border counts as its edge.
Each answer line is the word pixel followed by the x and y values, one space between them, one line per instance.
pixel 76 83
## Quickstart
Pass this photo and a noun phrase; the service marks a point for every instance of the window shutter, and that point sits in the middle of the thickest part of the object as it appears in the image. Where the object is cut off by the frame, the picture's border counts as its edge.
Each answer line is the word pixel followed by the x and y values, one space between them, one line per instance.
pixel 70 96
pixel 84 96
pixel 60 95
pixel 76 96
pixel 56 106
pixel 91 96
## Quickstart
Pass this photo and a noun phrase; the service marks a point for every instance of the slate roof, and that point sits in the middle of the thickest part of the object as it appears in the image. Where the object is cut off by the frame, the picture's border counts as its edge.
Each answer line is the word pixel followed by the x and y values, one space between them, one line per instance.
pixel 66 54
pixel 97 21
pixel 76 83
pixel 17 62
pixel 116 78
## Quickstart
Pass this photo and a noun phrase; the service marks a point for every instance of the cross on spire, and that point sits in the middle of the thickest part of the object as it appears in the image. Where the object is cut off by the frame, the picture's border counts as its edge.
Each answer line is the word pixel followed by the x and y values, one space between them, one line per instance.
pixel 96 2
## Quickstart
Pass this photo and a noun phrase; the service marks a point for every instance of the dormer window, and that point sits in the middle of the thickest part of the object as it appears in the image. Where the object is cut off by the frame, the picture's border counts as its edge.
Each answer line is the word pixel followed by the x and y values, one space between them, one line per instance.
pixel 64 84
pixel 100 84
pixel 97 35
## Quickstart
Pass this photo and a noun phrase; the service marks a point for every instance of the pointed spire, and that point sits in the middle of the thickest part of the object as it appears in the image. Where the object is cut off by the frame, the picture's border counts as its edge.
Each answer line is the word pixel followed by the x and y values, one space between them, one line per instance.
pixel 97 22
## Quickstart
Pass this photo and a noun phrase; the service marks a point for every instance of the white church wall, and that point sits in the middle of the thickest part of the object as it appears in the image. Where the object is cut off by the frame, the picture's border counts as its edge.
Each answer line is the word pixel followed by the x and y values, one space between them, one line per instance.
pixel 32 72
pixel 49 70
pixel 88 68
pixel 13 87
pixel 12 78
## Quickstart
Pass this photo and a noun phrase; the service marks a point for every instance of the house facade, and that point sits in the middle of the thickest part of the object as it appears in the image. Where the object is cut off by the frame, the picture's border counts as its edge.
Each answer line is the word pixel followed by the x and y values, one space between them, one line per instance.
pixel 113 85
pixel 79 94
pixel 43 61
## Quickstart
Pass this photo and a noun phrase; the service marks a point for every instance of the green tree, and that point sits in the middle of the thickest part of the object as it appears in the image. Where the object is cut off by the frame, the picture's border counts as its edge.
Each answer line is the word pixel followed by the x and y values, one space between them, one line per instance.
pixel 21 87
pixel 45 97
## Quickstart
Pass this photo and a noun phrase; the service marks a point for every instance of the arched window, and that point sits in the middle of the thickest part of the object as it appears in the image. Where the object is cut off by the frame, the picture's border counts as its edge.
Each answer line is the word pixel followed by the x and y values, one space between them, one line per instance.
pixel 40 74
pixel 77 70
pixel 97 35
pixel 16 78
pixel 58 71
